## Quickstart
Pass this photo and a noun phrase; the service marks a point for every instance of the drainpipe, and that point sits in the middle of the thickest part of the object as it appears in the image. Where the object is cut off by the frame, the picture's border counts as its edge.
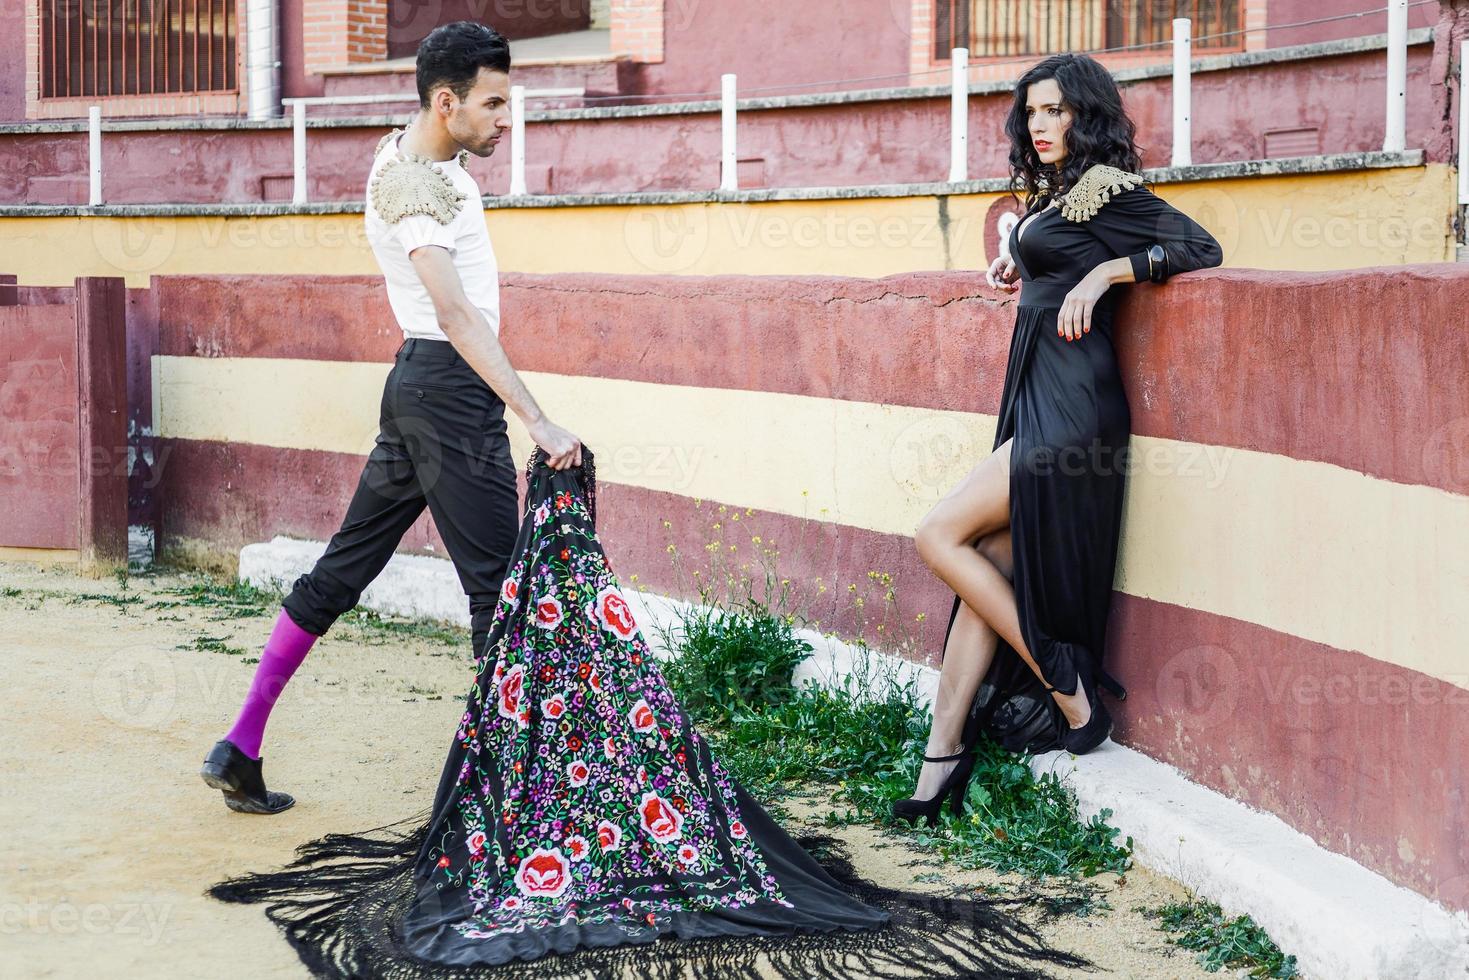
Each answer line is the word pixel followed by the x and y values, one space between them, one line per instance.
pixel 263 59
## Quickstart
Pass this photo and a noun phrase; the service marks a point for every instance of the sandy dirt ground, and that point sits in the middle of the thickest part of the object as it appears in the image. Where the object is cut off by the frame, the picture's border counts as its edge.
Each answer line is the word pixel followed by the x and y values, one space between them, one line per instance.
pixel 114 696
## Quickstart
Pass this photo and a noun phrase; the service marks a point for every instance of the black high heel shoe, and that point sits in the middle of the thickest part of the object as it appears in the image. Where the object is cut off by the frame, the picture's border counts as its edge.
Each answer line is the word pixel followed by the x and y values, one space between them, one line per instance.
pixel 1079 741
pixel 954 787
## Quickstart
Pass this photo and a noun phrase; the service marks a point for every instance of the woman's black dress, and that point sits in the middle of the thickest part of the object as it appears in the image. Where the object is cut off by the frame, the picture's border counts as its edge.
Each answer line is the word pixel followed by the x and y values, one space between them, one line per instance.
pixel 580 818
pixel 1064 406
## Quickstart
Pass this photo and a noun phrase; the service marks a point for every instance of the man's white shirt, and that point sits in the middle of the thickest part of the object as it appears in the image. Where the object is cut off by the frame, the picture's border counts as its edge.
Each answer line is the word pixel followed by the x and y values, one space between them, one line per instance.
pixel 464 236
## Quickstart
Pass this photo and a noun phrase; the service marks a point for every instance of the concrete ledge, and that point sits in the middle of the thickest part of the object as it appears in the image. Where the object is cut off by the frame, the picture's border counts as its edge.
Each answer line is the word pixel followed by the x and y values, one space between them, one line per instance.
pixel 1340 920
pixel 1320 164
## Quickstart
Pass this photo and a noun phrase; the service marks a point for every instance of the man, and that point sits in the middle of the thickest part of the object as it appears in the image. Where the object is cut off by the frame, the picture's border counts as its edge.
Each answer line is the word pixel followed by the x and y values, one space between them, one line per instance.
pixel 442 440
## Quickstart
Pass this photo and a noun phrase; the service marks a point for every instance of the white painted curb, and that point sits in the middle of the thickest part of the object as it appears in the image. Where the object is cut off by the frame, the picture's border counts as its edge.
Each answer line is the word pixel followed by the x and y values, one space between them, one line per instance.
pixel 1342 921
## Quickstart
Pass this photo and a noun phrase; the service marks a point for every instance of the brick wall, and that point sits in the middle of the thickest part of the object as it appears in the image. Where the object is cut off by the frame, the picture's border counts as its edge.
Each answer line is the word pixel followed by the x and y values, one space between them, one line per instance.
pixel 637 29
pixel 343 32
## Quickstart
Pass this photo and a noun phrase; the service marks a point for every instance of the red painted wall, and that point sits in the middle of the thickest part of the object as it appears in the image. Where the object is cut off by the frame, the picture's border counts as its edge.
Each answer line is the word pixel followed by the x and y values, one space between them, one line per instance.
pixel 1219 698
pixel 783 44
pixel 870 143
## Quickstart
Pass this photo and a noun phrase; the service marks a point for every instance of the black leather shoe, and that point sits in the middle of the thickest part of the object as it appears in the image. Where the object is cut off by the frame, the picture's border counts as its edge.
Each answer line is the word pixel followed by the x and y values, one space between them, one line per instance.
pixel 1079 741
pixel 238 776
pixel 954 787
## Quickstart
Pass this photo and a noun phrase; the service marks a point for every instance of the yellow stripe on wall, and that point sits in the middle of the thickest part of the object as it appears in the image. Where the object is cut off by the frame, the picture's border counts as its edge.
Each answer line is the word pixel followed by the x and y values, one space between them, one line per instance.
pixel 1305 548
pixel 1310 222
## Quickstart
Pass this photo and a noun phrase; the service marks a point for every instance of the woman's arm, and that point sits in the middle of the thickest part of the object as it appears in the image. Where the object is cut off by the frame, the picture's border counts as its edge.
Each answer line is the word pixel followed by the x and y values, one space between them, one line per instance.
pixel 1135 219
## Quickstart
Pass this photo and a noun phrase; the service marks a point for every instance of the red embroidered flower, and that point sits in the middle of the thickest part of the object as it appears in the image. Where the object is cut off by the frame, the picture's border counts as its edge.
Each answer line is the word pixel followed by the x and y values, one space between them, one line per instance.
pixel 509 590
pixel 545 873
pixel 579 772
pixel 444 861
pixel 595 680
pixel 737 830
pixel 565 554
pixel 641 716
pixel 511 689
pixel 476 842
pixel 615 614
pixel 688 854
pixel 577 847
pixel 548 612
pixel 661 821
pixel 574 743
pixel 609 836
pixel 554 707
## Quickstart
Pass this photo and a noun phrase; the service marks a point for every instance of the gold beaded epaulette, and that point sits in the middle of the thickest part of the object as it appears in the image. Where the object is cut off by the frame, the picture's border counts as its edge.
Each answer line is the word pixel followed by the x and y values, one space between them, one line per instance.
pixel 1094 188
pixel 411 184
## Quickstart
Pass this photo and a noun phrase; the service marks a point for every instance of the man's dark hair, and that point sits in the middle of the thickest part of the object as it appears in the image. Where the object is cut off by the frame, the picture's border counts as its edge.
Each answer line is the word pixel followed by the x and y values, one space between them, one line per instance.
pixel 453 54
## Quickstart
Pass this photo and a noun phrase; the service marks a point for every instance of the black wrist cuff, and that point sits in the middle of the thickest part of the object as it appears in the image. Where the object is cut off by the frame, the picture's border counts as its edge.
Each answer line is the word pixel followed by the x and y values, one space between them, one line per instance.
pixel 1157 263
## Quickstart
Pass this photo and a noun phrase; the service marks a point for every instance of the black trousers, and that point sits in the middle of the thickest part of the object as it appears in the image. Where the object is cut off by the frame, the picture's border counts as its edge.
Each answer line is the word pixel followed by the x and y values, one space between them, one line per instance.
pixel 441 444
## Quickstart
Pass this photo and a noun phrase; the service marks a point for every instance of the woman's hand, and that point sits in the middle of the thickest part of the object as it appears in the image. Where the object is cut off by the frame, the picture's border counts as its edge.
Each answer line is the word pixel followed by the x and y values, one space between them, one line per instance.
pixel 1075 316
pixel 1002 274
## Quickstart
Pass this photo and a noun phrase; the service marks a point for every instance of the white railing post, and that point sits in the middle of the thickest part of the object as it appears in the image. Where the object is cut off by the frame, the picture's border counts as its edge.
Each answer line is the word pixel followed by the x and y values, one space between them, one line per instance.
pixel 959 115
pixel 1394 140
pixel 1183 137
pixel 94 155
pixel 298 147
pixel 729 174
pixel 517 141
pixel 1464 125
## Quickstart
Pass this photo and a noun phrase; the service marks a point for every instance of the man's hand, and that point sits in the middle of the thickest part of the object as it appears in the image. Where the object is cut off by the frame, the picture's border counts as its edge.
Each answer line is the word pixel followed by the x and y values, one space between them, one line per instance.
pixel 562 448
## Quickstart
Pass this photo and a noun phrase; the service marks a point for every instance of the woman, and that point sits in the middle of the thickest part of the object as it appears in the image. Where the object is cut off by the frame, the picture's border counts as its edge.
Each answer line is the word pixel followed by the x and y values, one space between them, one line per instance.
pixel 580 818
pixel 1028 539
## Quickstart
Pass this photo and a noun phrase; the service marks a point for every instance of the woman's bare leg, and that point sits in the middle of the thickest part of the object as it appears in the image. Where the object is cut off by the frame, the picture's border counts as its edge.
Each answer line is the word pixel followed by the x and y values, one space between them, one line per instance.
pixel 967 657
pixel 976 508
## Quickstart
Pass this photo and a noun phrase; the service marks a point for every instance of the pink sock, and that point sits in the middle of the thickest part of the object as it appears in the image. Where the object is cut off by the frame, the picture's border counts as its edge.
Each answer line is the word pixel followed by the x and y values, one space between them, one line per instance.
pixel 283 653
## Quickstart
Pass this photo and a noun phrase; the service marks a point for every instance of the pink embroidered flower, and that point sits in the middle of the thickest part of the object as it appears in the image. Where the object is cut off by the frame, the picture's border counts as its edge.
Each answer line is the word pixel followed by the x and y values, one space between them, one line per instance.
pixel 476 842
pixel 659 819
pixel 511 903
pixel 554 707
pixel 579 772
pixel 609 836
pixel 509 590
pixel 577 847
pixel 688 854
pixel 545 874
pixel 595 680
pixel 615 614
pixel 542 512
pixel 511 687
pixel 737 830
pixel 641 716
pixel 610 748
pixel 548 612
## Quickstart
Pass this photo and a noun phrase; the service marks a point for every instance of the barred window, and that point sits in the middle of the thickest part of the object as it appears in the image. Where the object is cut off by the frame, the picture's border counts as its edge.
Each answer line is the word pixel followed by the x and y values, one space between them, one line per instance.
pixel 137 47
pixel 996 28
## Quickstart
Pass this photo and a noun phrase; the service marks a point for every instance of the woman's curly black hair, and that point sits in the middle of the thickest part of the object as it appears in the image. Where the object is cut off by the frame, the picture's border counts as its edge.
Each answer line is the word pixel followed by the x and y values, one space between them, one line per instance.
pixel 1100 130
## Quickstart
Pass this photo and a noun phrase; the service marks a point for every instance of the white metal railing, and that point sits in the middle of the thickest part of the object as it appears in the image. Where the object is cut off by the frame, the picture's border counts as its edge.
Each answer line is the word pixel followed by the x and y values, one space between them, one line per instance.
pixel 1183 132
pixel 1394 139
pixel 959 115
pixel 729 158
